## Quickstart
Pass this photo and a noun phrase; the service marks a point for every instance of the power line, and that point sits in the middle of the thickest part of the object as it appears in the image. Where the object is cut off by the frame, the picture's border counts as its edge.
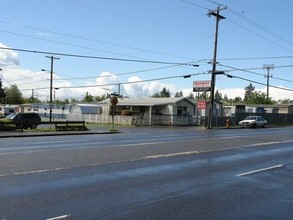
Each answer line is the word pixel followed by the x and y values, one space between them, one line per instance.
pixel 99 57
pixel 22 79
pixel 252 81
pixel 253 32
pixel 118 74
pixel 257 58
pixel 121 83
pixel 248 71
pixel 192 3
pixel 80 38
pixel 266 30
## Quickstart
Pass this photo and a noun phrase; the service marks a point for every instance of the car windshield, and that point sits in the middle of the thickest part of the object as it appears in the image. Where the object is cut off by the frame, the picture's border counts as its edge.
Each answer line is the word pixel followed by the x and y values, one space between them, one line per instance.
pixel 11 116
pixel 251 118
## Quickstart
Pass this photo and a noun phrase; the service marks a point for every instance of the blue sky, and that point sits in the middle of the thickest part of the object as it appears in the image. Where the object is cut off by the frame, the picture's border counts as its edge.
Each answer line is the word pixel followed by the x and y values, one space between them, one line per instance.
pixel 254 33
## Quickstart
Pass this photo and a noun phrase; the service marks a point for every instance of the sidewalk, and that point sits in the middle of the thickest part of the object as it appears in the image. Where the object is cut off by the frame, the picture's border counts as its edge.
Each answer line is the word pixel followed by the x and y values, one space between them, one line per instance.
pixel 93 129
pixel 31 133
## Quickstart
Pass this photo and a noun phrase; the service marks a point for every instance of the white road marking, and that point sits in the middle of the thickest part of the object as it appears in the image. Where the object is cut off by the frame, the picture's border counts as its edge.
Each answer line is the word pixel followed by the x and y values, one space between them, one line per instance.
pixel 270 143
pixel 229 137
pixel 261 170
pixel 169 135
pixel 31 172
pixel 171 155
pixel 139 144
pixel 59 217
pixel 62 141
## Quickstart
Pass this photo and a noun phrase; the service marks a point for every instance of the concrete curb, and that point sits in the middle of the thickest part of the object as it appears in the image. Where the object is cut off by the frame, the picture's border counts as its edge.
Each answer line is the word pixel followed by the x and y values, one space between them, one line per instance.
pixel 41 134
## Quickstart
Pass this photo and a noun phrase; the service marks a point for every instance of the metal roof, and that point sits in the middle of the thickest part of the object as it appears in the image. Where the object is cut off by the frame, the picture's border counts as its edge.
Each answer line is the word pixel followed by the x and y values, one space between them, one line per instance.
pixel 149 101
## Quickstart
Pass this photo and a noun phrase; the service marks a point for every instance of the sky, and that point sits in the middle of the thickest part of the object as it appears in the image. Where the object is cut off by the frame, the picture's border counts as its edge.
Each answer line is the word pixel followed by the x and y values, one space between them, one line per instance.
pixel 140 47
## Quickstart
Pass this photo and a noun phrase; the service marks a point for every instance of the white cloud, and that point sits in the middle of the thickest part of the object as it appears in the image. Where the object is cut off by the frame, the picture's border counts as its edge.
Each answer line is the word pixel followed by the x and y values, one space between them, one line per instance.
pixel 105 82
pixel 233 92
pixel 144 89
pixel 277 94
pixel 8 57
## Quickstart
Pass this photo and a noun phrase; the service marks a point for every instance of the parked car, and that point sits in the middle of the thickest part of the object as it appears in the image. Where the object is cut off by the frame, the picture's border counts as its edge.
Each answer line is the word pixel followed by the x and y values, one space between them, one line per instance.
pixel 253 122
pixel 25 120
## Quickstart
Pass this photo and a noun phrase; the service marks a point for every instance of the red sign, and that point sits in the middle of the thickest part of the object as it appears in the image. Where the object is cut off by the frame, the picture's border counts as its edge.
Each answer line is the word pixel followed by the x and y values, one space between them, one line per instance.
pixel 201 85
pixel 201 105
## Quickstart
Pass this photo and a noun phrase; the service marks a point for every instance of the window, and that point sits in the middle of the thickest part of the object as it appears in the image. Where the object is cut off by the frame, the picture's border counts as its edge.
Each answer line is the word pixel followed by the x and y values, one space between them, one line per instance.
pixel 182 111
pixel 179 110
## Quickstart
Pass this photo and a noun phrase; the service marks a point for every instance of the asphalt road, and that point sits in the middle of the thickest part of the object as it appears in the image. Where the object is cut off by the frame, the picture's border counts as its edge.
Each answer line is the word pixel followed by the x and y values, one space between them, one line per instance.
pixel 149 173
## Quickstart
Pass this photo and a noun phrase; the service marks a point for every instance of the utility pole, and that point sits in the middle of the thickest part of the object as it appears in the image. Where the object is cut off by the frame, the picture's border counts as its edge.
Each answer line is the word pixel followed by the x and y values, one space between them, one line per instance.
pixel 268 67
pixel 215 13
pixel 33 95
pixel 51 83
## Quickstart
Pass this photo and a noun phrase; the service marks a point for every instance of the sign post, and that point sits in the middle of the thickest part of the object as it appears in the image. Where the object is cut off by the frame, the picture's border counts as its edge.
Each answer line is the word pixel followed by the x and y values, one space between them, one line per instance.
pixel 201 86
pixel 114 102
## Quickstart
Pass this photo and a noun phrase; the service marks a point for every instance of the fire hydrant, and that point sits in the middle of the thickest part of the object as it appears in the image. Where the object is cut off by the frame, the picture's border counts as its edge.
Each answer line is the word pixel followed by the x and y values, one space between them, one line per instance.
pixel 228 123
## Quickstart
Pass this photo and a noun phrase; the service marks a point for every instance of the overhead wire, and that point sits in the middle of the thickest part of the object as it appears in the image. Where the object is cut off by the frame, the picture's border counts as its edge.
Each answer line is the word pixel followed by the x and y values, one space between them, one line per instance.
pixel 65 43
pixel 248 70
pixel 192 3
pixel 259 35
pixel 80 38
pixel 121 83
pixel 266 30
pixel 100 57
pixel 253 81
pixel 257 58
pixel 119 74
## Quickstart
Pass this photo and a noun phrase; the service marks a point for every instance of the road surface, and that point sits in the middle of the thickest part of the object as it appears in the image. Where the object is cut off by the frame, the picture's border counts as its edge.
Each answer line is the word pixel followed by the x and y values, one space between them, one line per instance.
pixel 149 173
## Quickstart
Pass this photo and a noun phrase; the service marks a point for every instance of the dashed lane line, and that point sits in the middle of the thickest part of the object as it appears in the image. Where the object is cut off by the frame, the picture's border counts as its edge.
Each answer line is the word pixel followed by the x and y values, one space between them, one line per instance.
pixel 171 155
pixel 261 170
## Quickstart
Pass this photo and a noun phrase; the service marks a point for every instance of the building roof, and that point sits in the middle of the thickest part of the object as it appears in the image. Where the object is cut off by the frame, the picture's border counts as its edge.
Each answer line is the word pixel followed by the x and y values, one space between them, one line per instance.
pixel 87 108
pixel 149 101
pixel 271 106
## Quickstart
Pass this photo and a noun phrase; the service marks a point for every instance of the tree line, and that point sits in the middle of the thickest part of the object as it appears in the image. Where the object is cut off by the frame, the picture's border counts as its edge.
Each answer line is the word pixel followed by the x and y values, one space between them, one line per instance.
pixel 12 95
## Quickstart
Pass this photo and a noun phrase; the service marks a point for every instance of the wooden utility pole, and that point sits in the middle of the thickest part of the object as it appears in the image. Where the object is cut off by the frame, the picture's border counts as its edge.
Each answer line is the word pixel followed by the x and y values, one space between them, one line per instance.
pixel 215 13
pixel 51 84
pixel 268 67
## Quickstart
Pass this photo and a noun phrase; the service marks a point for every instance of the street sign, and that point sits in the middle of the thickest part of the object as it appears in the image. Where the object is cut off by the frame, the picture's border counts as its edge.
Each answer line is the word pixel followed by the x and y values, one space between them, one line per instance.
pixel 201 105
pixel 201 86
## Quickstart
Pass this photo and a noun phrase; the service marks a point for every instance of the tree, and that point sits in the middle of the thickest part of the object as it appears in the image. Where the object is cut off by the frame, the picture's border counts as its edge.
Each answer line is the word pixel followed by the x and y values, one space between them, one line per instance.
pixel 164 93
pixel 226 99
pixel 2 93
pixel 237 99
pixel 258 97
pixel 13 95
pixel 179 94
pixel 100 98
pixel 191 96
pixel 248 92
pixel 284 101
pixel 88 98
pixel 218 96
pixel 31 100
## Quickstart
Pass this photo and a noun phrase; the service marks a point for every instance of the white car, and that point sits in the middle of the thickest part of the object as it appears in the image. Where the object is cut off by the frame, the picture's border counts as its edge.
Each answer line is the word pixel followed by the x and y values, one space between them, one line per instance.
pixel 253 122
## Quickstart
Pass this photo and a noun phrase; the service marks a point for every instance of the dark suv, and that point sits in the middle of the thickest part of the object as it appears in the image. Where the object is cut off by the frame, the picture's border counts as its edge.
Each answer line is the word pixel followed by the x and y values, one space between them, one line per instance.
pixel 25 120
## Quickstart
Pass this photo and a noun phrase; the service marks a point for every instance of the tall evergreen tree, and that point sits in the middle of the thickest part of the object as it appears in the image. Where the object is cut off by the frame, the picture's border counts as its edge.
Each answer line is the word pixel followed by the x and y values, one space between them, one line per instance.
pixel 165 93
pixel 2 93
pixel 179 94
pixel 249 90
